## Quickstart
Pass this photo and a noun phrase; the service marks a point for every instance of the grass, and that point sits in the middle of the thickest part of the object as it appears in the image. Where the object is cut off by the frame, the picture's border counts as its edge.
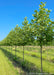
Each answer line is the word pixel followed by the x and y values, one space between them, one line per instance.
pixel 47 66
pixel 37 54
pixel 6 66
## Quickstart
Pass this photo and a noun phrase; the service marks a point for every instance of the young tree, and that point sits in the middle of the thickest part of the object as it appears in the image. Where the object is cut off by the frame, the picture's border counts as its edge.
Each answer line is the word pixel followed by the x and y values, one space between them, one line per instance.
pixel 42 26
pixel 18 35
pixel 27 33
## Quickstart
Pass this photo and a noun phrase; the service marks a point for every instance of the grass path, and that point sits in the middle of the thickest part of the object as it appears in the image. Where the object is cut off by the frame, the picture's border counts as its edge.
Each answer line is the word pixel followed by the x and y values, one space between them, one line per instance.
pixel 6 67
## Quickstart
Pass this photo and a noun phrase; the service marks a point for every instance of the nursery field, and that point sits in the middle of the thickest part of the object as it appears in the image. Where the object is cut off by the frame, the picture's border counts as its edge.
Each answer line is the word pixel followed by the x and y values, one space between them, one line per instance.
pixel 29 57
pixel 28 48
pixel 6 66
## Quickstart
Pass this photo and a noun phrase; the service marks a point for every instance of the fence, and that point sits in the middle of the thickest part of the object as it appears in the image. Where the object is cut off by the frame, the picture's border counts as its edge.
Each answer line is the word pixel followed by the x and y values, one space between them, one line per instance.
pixel 29 58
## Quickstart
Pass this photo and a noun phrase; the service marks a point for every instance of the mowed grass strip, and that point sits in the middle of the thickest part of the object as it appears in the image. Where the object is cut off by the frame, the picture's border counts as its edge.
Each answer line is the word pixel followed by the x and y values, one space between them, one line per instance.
pixel 6 67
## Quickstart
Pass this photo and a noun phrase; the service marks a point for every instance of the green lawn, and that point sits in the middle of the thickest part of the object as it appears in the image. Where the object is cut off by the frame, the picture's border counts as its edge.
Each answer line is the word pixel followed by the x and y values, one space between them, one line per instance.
pixel 6 67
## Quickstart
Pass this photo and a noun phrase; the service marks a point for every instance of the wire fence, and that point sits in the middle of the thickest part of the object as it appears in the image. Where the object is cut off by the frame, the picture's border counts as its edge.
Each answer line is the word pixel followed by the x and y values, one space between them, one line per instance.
pixel 29 58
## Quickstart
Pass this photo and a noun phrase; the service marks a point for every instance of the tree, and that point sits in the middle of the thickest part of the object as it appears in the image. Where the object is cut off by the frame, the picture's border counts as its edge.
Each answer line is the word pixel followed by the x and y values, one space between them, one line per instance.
pixel 18 35
pixel 42 26
pixel 27 32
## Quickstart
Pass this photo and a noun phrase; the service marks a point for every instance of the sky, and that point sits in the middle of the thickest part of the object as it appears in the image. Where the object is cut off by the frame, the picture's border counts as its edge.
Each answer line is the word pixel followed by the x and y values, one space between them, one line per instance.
pixel 12 12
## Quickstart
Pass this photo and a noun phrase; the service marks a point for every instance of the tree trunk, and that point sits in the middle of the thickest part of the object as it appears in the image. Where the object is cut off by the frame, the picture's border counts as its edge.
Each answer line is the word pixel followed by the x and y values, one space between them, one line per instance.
pixel 6 47
pixel 41 59
pixel 23 53
pixel 15 51
pixel 11 49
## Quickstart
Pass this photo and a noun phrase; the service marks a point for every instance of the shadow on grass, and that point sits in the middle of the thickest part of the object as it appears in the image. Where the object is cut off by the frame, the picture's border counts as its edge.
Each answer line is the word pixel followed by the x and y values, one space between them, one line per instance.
pixel 26 66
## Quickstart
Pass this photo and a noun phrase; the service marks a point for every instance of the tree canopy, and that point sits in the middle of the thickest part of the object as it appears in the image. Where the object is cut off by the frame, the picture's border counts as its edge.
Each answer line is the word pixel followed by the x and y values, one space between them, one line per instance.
pixel 39 31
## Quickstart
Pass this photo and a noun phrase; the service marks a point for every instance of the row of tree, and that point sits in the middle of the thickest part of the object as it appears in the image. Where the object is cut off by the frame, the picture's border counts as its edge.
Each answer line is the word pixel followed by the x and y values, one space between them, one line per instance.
pixel 40 31
pixel 20 36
